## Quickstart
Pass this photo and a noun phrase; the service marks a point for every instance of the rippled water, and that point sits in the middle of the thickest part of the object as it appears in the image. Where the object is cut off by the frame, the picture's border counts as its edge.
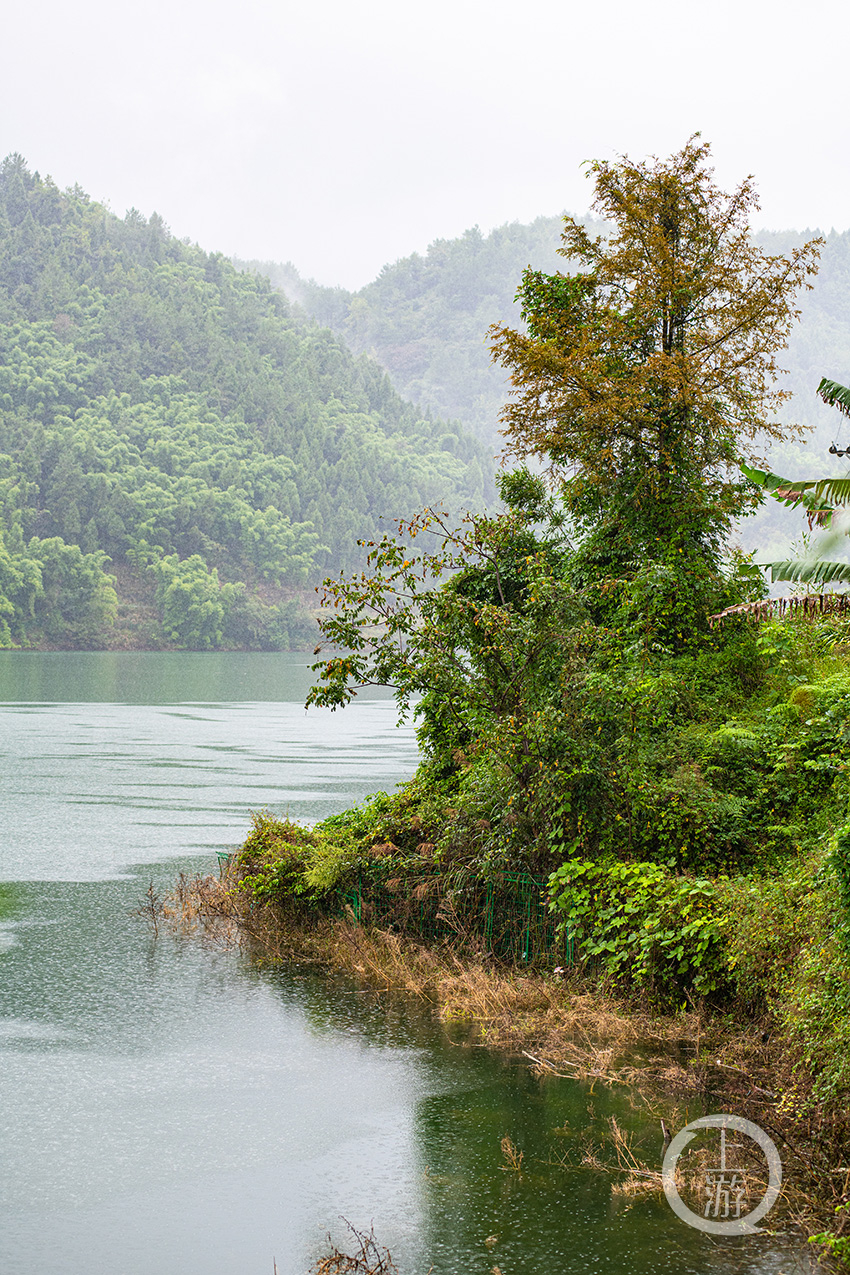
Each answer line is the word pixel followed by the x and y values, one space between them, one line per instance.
pixel 167 1108
pixel 110 759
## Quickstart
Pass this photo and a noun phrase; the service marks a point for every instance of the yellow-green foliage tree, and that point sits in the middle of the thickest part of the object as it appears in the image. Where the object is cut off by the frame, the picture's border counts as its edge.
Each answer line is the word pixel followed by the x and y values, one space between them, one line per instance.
pixel 573 677
pixel 646 375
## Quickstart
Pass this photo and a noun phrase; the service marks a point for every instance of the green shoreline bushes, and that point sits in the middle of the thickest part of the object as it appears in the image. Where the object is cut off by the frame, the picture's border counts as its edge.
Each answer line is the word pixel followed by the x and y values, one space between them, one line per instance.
pixel 681 783
pixel 661 923
pixel 582 719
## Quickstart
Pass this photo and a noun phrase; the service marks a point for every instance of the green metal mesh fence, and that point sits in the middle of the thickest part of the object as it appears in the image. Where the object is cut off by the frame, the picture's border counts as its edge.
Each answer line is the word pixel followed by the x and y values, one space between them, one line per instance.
pixel 506 916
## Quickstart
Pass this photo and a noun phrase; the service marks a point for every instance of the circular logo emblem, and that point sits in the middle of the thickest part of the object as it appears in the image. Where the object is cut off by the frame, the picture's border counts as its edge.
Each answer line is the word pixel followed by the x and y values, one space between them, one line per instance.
pixel 724 1189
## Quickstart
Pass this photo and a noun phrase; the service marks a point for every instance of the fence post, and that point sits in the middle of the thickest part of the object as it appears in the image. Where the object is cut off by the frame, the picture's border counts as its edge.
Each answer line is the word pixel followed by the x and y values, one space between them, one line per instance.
pixel 525 954
pixel 488 917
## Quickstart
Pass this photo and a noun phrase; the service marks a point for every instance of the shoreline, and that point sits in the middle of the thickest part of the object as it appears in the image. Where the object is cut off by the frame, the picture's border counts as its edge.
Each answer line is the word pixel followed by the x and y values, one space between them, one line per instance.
pixel 164 648
pixel 570 1027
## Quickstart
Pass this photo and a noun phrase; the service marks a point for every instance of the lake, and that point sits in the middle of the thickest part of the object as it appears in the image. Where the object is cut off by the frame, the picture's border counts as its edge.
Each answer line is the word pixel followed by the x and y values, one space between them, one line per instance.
pixel 166 1107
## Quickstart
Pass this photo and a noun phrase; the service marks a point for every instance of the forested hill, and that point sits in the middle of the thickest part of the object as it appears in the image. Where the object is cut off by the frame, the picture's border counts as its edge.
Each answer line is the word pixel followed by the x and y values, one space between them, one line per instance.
pixel 170 426
pixel 425 320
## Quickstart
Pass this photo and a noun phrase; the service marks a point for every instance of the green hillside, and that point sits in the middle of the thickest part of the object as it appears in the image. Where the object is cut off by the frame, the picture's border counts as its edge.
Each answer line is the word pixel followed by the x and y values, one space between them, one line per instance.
pixel 171 429
pixel 425 320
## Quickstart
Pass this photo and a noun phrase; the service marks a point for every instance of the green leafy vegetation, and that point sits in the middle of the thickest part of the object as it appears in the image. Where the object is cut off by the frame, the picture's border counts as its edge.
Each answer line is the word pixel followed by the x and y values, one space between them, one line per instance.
pixel 284 862
pixel 169 427
pixel 643 923
pixel 682 783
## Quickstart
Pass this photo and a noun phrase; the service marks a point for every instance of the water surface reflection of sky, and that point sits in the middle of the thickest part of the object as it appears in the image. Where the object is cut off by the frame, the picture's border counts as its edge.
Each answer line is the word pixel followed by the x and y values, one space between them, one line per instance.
pixel 167 1108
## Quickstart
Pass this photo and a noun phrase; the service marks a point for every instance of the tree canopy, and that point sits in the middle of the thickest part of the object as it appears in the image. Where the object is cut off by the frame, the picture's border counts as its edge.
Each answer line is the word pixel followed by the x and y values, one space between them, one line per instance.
pixel 156 402
pixel 646 375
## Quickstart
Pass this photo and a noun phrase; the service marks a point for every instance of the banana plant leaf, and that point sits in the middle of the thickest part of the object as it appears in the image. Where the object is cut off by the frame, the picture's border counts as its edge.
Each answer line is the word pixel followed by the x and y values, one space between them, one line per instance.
pixel 834 395
pixel 819 505
pixel 809 571
pixel 820 497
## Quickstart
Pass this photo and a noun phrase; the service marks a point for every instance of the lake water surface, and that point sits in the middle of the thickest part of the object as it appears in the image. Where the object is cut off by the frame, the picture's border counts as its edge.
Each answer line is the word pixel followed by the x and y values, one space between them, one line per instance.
pixel 168 1109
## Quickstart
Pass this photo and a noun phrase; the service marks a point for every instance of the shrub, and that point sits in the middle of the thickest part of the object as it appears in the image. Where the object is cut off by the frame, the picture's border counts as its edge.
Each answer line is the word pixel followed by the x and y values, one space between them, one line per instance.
pixel 643 924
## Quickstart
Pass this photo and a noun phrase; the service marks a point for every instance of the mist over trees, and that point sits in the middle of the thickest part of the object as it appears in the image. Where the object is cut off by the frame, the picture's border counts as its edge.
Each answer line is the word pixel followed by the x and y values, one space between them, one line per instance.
pixel 184 452
pixel 425 320
pixel 169 426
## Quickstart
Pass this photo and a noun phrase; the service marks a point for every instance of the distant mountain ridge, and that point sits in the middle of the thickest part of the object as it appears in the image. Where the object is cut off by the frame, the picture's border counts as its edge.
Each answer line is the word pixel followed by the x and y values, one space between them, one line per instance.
pixel 424 319
pixel 173 424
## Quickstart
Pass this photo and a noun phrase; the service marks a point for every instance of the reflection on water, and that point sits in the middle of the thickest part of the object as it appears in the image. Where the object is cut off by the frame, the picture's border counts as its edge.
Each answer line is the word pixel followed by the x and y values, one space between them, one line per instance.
pixel 156 677
pixel 87 786
pixel 168 1109
pixel 556 1215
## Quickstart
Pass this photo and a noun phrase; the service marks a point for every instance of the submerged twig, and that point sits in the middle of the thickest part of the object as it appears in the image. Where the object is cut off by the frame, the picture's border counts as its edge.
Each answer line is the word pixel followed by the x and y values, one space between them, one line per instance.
pixel 151 908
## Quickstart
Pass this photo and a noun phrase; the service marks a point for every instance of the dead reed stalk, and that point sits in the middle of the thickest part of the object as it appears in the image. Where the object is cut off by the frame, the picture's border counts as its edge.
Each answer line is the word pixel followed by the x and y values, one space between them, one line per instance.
pixel 512 1156
pixel 369 1258
pixel 151 908
pixel 640 1179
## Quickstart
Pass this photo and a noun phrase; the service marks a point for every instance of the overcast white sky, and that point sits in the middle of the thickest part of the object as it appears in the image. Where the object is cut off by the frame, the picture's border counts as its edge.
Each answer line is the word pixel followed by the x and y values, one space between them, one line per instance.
pixel 343 135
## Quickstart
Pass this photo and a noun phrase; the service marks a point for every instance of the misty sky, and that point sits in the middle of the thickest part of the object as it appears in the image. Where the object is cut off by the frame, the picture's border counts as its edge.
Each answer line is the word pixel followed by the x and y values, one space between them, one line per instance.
pixel 341 136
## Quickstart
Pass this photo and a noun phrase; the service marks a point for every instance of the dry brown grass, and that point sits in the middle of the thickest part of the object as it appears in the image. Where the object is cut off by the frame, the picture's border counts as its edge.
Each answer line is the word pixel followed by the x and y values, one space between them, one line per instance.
pixel 367 1257
pixel 512 1156
pixel 639 1178
pixel 562 1028
pixel 208 905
